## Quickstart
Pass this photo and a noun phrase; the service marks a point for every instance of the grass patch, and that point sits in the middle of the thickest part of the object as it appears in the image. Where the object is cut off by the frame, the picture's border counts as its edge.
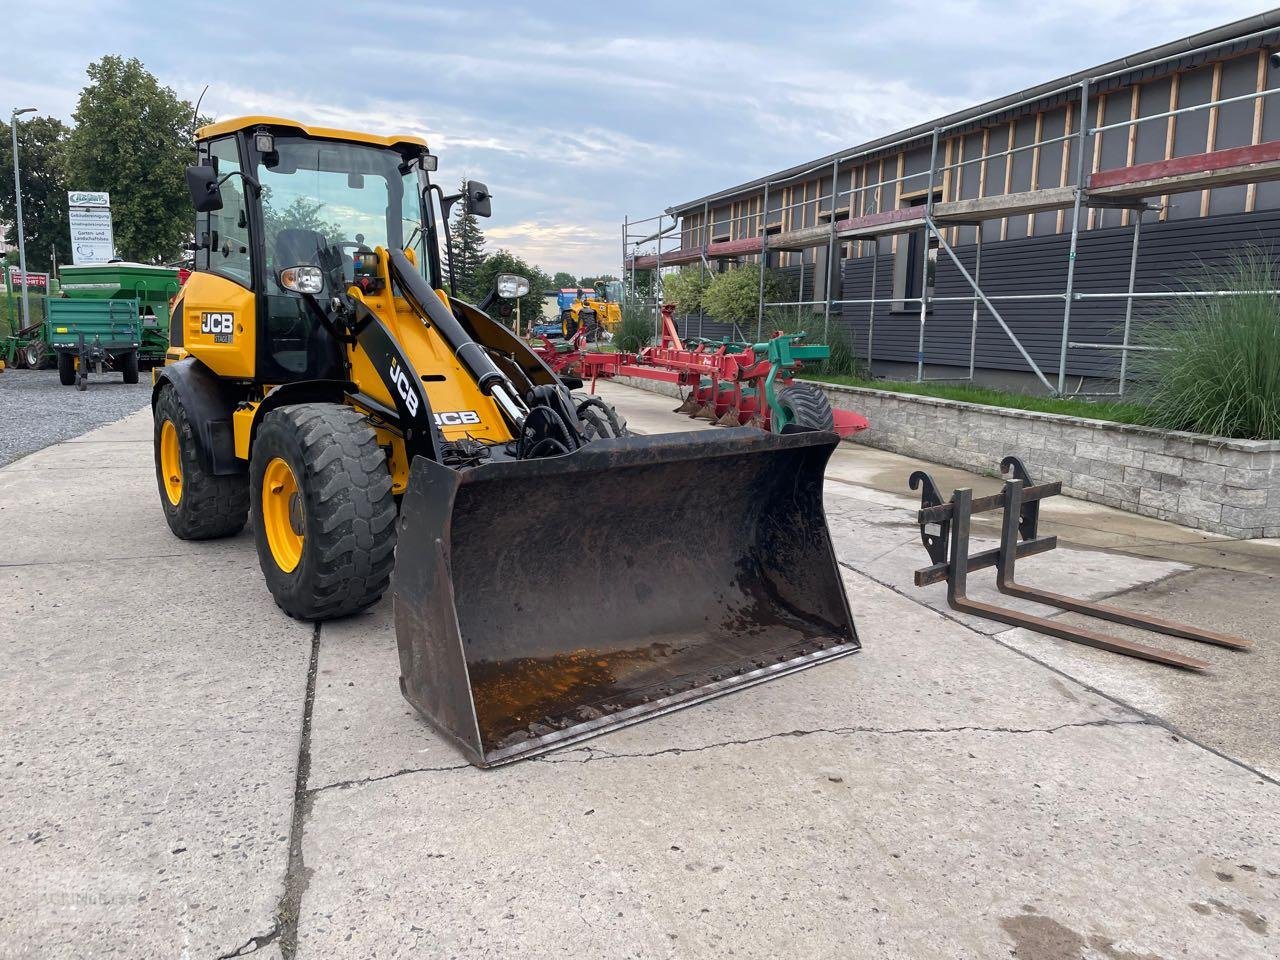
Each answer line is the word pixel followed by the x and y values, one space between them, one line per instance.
pixel 1071 407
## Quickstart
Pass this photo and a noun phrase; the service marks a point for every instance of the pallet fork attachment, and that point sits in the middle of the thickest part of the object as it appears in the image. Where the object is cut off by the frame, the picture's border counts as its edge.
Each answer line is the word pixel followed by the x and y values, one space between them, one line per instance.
pixel 944 531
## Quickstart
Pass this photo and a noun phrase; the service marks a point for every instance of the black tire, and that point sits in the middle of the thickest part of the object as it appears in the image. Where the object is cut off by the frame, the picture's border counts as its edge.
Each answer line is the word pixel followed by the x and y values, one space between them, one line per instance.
pixel 600 420
pixel 129 366
pixel 209 506
pixel 808 406
pixel 348 513
pixel 66 369
pixel 34 354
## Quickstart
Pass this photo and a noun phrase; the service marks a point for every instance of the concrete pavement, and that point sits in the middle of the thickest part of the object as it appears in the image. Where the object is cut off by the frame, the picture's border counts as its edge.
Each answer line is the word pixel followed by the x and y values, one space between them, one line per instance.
pixel 190 773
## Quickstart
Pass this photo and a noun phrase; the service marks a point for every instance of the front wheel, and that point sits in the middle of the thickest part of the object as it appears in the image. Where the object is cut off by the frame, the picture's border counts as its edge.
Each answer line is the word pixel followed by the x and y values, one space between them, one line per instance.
pixel 806 406
pixel 600 420
pixel 324 518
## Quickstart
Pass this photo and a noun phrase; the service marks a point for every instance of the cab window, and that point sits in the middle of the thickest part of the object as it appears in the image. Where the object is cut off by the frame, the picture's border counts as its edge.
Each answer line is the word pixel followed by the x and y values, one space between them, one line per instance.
pixel 227 230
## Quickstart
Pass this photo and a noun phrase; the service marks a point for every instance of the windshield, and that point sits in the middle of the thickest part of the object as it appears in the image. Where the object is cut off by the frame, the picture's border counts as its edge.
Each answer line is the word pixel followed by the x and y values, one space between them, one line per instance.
pixel 345 196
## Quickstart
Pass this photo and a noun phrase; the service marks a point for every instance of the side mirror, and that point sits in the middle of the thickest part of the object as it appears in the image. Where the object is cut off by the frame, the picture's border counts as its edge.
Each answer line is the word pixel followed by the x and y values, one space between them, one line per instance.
pixel 478 199
pixel 510 286
pixel 206 192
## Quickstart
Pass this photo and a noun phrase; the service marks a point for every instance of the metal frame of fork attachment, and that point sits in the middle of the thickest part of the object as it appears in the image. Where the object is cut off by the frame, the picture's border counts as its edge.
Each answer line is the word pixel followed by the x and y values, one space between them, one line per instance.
pixel 948 548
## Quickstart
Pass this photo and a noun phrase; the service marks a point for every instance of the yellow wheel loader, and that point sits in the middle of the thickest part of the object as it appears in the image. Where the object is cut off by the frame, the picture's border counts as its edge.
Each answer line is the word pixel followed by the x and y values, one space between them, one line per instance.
pixel 378 433
pixel 597 311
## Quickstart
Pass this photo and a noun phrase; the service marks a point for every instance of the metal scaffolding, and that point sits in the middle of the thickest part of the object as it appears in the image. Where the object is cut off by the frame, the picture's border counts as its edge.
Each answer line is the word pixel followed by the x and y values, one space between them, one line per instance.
pixel 1130 188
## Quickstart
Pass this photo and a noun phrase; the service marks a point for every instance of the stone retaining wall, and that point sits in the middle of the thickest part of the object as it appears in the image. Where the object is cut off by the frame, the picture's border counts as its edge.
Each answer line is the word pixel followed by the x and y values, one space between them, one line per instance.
pixel 1226 486
pixel 1230 487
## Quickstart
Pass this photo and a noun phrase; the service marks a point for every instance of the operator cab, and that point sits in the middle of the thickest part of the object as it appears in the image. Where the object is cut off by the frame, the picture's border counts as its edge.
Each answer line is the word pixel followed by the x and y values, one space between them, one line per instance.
pixel 280 196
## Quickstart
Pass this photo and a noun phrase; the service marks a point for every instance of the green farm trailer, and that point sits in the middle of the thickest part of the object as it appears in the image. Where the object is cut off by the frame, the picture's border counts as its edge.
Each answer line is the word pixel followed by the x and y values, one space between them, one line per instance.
pixel 151 287
pixel 94 335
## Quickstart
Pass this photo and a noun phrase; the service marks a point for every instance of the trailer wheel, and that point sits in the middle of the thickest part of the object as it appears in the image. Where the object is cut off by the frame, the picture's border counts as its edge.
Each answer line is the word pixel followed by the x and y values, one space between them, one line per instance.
pixel 599 419
pixel 129 366
pixel 324 517
pixel 807 406
pixel 66 369
pixel 198 505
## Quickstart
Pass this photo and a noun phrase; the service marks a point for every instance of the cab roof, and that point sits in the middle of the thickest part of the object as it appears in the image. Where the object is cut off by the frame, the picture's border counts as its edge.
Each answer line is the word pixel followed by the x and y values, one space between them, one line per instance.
pixel 237 124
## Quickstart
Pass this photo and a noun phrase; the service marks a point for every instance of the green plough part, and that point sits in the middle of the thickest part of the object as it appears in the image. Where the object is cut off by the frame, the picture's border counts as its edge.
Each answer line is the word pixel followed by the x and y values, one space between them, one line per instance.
pixel 785 353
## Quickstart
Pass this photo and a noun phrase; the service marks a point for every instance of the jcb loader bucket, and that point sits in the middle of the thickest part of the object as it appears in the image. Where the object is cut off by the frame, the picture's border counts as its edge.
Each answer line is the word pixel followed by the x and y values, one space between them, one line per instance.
pixel 541 602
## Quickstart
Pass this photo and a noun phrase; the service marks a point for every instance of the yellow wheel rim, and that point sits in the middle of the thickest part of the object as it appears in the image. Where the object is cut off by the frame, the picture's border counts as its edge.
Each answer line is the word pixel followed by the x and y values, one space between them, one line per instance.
pixel 171 462
pixel 282 516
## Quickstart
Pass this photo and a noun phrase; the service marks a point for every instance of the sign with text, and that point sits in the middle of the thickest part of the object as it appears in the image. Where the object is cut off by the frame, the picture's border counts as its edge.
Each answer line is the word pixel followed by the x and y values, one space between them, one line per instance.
pixel 35 281
pixel 89 212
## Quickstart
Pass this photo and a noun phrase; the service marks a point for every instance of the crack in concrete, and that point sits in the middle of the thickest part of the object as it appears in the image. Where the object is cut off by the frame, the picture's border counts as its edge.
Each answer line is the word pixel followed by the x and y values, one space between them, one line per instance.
pixel 596 753
pixel 1146 715
pixel 361 781
pixel 296 875
pixel 253 944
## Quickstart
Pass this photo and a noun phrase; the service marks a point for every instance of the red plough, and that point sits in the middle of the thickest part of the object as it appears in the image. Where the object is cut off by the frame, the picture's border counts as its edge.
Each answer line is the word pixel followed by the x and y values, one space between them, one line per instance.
pixel 729 384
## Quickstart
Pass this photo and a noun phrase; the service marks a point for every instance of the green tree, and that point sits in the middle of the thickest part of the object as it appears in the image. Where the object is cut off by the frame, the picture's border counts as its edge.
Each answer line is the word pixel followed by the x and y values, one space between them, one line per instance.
pixel 132 138
pixel 734 296
pixel 504 261
pixel 562 279
pixel 42 143
pixel 466 249
pixel 685 288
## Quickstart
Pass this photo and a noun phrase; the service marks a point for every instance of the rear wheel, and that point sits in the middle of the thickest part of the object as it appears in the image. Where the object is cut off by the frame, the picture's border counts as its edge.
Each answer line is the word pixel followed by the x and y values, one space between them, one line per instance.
pixel 66 369
pixel 129 366
pixel 807 406
pixel 599 419
pixel 197 504
pixel 324 517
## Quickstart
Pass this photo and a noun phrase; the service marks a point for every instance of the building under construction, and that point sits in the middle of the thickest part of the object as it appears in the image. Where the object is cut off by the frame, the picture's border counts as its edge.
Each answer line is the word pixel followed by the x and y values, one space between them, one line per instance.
pixel 1024 239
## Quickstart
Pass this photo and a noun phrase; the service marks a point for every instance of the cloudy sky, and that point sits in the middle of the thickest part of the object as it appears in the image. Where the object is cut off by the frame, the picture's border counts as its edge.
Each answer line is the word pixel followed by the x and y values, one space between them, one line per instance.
pixel 578 113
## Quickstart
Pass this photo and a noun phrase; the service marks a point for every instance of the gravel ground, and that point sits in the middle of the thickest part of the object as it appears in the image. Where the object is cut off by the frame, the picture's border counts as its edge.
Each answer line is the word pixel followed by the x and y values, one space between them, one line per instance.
pixel 36 410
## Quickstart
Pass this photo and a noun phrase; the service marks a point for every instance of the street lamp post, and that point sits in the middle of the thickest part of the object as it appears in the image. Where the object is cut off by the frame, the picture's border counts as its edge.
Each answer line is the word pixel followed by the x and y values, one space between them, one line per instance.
pixel 17 193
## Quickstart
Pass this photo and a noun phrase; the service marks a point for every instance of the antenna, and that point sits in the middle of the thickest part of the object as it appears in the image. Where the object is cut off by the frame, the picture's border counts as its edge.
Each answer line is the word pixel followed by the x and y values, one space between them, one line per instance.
pixel 195 114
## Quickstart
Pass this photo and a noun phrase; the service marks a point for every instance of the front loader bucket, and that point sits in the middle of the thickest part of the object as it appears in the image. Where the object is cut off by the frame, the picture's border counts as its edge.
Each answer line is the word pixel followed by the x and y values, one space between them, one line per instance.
pixel 540 602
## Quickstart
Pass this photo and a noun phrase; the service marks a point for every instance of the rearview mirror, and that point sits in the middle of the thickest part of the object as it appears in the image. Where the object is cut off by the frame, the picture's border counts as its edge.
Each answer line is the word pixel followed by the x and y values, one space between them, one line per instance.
pixel 206 192
pixel 511 286
pixel 478 199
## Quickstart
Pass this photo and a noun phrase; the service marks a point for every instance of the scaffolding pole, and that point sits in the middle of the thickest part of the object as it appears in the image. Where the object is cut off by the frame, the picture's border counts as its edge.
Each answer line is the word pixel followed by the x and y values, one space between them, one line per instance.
pixel 1083 140
pixel 764 261
pixel 942 243
pixel 924 257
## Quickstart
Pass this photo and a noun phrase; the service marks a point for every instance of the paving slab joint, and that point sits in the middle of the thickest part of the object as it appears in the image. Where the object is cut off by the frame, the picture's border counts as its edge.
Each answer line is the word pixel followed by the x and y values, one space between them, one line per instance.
pixel 296 873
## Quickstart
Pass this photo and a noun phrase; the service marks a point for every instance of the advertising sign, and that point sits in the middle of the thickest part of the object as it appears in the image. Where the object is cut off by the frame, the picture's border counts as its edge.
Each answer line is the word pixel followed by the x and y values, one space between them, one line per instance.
pixel 91 238
pixel 35 281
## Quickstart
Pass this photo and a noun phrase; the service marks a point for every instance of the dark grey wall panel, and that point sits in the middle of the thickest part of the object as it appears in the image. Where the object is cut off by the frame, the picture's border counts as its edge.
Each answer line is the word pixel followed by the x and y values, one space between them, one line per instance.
pixel 1173 255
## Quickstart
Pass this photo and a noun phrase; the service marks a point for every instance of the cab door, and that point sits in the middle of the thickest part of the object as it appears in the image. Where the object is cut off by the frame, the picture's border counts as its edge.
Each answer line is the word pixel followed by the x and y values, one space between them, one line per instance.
pixel 219 307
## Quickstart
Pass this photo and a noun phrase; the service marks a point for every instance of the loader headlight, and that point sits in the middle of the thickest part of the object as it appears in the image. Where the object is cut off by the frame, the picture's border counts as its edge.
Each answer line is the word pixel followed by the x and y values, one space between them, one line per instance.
pixel 302 279
pixel 512 286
